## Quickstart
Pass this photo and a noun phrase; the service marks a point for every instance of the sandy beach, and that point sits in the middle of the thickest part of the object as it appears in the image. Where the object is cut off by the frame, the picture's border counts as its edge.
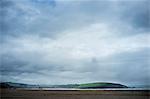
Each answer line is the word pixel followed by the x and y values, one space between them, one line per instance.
pixel 74 94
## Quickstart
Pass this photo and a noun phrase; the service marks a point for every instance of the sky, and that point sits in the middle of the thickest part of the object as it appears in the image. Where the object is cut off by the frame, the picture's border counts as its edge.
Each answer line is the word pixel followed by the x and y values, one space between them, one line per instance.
pixel 75 41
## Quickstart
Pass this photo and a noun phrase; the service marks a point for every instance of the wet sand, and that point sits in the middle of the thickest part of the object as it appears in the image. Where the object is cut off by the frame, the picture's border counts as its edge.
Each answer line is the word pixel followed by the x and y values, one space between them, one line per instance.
pixel 74 94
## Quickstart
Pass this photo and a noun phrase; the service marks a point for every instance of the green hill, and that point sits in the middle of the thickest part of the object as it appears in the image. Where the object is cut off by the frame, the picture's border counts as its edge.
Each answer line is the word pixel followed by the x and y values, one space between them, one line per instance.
pixel 101 85
pixel 91 85
pixel 79 86
pixel 16 85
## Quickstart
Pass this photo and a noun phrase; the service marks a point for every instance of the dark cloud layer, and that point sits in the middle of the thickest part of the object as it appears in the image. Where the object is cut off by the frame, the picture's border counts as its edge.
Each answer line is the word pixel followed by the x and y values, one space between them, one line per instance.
pixel 23 17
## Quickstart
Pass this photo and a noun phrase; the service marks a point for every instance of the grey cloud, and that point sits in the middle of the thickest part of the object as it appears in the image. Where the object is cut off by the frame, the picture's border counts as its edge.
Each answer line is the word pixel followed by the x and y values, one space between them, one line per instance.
pixel 13 66
pixel 132 67
pixel 44 2
pixel 27 18
pixel 135 64
pixel 136 13
pixel 24 59
pixel 123 68
pixel 128 67
pixel 17 18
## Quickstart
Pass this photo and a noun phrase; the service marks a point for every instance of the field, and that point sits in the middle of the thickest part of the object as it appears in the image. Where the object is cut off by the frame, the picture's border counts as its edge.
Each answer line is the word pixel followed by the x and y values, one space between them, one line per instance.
pixel 74 94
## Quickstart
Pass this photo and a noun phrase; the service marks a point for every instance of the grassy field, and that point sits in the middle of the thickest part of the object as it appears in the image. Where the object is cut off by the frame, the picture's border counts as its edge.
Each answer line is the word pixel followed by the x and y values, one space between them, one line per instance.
pixel 73 94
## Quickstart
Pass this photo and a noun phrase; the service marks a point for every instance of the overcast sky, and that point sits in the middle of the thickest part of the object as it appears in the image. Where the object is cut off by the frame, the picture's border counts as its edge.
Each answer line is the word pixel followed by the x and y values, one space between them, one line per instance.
pixel 75 41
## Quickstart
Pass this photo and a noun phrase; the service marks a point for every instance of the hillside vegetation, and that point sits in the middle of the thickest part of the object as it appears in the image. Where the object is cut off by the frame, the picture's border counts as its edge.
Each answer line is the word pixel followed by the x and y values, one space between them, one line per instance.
pixel 79 86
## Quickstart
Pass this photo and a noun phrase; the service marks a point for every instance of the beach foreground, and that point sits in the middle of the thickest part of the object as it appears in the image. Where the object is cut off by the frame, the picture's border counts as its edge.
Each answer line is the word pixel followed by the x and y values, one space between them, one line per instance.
pixel 74 94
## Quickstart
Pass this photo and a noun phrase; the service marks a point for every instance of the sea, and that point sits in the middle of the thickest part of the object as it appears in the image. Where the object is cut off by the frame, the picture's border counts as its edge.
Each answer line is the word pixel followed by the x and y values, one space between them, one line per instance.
pixel 63 89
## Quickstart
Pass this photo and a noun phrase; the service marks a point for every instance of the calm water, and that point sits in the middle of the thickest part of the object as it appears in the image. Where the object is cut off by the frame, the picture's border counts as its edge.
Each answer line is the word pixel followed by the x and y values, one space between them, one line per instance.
pixel 88 89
